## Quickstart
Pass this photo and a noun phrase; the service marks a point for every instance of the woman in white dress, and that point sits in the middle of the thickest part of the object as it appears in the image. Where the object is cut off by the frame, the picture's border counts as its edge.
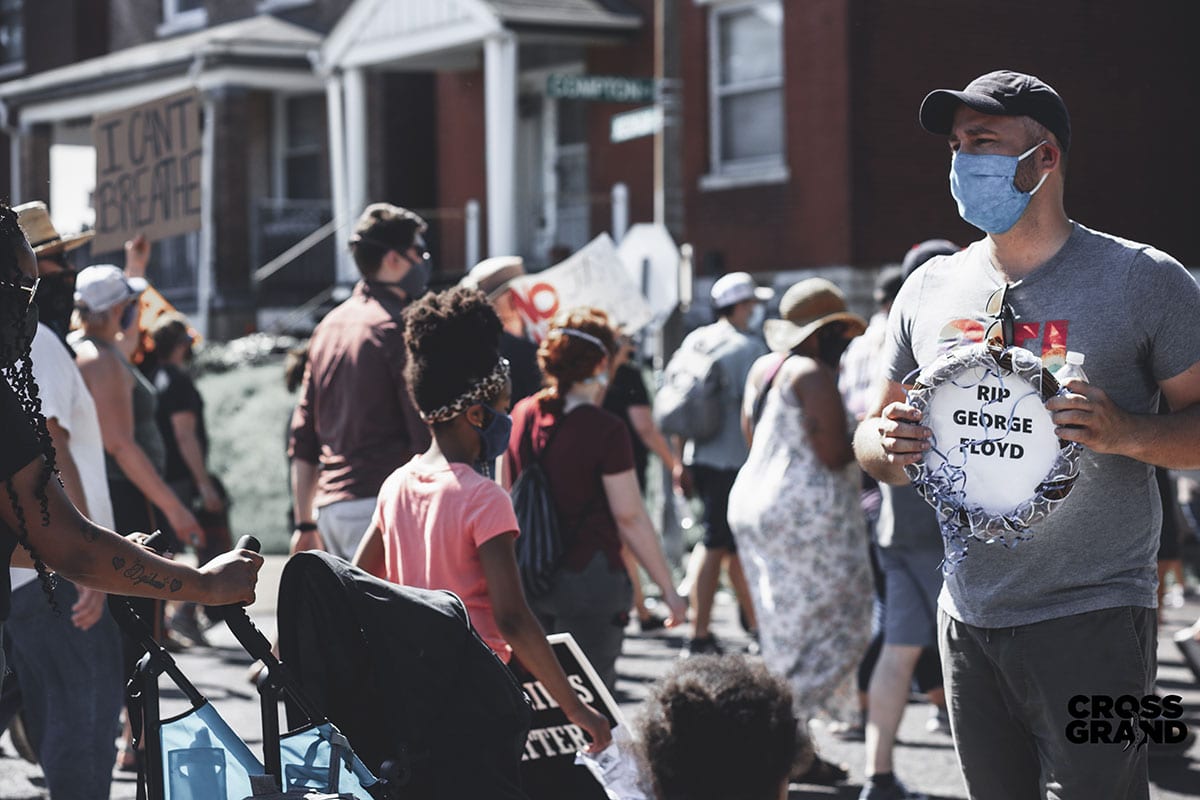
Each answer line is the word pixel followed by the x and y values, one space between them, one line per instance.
pixel 795 510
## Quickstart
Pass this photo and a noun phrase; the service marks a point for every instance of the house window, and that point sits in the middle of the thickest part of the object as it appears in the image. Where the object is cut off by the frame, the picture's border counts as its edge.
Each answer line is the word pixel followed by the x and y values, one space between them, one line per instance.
pixel 746 84
pixel 12 36
pixel 182 15
pixel 300 155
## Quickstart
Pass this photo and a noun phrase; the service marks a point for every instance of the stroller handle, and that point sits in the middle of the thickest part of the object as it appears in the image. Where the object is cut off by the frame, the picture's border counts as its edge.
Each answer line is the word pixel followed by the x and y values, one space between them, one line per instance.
pixel 248 542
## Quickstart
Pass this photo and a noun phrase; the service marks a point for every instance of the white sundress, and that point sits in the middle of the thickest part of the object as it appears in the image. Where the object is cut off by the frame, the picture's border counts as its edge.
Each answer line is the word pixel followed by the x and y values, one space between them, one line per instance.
pixel 802 539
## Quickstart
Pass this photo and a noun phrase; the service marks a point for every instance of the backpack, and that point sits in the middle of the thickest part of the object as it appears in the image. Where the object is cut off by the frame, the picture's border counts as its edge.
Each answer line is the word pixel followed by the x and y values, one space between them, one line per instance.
pixel 544 541
pixel 688 404
pixel 406 678
pixel 540 547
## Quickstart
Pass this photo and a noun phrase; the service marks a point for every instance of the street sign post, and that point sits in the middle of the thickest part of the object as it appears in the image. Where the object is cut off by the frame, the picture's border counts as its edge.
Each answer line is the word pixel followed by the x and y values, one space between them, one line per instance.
pixel 600 88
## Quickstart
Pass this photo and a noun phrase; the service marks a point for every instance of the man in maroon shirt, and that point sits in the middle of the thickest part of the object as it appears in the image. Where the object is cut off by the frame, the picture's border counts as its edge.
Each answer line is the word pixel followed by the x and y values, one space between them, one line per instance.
pixel 355 422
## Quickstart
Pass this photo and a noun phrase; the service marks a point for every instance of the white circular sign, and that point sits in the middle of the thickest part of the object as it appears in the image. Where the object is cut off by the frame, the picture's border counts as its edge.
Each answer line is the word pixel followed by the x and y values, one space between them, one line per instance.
pixel 996 466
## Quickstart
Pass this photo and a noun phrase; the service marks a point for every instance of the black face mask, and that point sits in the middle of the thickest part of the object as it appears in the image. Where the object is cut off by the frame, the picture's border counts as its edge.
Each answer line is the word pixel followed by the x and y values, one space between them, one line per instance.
pixel 55 300
pixel 18 324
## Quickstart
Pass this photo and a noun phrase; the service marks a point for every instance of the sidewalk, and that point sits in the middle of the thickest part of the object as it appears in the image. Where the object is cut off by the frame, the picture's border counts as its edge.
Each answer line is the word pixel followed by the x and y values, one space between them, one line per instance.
pixel 925 761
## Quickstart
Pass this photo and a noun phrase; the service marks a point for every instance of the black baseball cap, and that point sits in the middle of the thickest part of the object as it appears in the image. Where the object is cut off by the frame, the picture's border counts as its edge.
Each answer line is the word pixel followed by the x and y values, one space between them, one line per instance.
pixel 1000 93
pixel 921 252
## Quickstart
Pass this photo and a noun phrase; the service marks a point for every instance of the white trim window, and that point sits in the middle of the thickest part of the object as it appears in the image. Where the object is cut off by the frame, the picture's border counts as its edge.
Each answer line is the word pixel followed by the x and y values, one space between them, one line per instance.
pixel 746 98
pixel 182 15
pixel 12 37
pixel 299 150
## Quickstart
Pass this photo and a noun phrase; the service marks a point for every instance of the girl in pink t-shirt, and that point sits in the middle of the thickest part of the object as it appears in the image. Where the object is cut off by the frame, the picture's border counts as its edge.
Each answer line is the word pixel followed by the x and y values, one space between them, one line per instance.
pixel 440 523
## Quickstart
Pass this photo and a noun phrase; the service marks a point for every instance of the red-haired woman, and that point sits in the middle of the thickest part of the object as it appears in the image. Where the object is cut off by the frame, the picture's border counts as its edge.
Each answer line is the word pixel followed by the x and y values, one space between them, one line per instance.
pixel 587 455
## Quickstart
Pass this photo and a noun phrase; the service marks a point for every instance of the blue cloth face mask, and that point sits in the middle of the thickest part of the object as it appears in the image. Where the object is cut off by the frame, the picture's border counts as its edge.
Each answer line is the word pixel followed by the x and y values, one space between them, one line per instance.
pixel 494 436
pixel 982 185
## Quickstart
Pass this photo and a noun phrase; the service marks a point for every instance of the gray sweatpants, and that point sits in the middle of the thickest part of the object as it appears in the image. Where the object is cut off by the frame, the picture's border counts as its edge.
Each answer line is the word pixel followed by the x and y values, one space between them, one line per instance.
pixel 1009 691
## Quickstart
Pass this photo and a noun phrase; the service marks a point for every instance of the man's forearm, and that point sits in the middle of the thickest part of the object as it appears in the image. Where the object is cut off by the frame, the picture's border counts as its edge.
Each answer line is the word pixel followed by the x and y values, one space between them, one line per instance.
pixel 868 450
pixel 304 489
pixel 68 470
pixel 1164 440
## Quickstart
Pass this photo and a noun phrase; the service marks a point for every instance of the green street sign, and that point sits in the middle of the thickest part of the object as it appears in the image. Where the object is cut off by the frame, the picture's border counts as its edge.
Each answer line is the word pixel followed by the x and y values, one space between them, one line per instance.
pixel 600 88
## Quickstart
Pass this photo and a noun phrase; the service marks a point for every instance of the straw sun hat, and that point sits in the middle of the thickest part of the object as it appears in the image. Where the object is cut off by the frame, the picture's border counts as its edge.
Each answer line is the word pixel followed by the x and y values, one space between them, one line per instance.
pixel 34 220
pixel 807 307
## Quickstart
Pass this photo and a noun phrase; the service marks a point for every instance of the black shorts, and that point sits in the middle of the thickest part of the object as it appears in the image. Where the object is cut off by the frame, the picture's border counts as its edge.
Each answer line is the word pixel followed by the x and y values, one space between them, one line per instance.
pixel 713 487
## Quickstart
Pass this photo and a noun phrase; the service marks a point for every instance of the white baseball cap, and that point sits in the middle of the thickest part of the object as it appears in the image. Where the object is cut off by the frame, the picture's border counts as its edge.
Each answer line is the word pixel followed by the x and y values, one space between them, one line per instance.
pixel 735 287
pixel 100 287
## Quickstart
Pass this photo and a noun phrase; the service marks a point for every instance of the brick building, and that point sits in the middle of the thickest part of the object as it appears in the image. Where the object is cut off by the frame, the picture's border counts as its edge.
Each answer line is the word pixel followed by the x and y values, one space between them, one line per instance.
pixel 792 142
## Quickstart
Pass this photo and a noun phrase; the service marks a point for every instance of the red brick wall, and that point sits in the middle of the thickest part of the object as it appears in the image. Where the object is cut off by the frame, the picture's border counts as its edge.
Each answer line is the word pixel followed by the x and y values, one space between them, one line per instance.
pixel 461 159
pixel 801 223
pixel 1127 76
pixel 632 162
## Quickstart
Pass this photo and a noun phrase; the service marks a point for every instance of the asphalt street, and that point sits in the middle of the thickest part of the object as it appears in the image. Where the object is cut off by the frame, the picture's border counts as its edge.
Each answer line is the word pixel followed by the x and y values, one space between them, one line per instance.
pixel 925 761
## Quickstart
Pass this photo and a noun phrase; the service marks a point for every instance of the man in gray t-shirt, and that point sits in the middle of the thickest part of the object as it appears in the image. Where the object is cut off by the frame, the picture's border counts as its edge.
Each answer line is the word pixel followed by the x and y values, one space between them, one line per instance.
pixel 712 465
pixel 1025 631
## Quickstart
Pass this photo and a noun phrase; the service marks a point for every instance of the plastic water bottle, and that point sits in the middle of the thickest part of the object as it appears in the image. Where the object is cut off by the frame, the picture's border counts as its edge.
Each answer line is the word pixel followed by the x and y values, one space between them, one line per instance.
pixel 1072 370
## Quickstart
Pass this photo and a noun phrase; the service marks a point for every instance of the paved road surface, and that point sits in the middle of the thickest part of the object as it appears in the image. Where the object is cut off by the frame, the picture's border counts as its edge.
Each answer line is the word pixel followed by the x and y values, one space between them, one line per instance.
pixel 925 761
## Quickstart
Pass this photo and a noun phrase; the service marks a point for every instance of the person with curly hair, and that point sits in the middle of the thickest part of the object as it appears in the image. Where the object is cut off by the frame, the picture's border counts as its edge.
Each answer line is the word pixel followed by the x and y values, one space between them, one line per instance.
pixel 440 523
pixel 587 455
pixel 719 728
pixel 39 526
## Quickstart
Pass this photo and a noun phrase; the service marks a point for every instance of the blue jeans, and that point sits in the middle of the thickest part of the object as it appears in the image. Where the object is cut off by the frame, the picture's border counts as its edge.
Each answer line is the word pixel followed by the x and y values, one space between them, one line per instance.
pixel 71 690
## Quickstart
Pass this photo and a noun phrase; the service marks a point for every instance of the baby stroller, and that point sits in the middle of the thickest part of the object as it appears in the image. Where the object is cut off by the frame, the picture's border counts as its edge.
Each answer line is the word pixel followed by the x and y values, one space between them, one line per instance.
pixel 197 756
pixel 424 701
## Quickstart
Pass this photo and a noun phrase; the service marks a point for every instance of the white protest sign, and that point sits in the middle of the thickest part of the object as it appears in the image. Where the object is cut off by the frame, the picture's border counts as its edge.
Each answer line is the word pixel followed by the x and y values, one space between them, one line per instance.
pixel 592 277
pixel 999 431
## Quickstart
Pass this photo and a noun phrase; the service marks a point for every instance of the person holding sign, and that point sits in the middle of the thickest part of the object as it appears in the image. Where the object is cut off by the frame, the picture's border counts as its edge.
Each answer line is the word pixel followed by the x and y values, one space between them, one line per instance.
pixel 439 523
pixel 1071 611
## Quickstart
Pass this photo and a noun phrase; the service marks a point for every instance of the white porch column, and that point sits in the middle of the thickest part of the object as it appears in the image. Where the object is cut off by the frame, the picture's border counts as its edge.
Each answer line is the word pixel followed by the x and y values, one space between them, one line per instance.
pixel 500 117
pixel 208 231
pixel 354 84
pixel 342 214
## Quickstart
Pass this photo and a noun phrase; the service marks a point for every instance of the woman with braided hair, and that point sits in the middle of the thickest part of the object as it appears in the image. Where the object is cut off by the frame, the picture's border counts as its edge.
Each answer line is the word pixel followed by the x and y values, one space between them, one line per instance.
pixel 440 523
pixel 34 510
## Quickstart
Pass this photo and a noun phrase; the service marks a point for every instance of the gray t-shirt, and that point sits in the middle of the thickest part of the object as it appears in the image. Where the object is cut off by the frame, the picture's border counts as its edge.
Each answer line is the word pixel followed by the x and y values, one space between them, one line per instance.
pixel 735 353
pixel 1132 311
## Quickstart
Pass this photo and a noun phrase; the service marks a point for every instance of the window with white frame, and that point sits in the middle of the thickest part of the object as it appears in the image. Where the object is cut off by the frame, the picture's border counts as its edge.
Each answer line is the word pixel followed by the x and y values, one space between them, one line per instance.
pixel 182 15
pixel 746 124
pixel 300 121
pixel 12 34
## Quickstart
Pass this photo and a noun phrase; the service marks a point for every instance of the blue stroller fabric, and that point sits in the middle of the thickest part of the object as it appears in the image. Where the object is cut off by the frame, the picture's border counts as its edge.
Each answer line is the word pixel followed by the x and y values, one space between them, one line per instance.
pixel 203 759
pixel 319 758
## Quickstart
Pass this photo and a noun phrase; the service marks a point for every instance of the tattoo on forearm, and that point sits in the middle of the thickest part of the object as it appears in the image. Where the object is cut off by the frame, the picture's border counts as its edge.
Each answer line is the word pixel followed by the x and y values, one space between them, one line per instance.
pixel 88 530
pixel 138 574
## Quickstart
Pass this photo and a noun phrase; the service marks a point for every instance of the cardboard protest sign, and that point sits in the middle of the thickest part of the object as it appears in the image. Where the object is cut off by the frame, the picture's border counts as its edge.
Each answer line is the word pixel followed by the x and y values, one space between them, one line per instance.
pixel 548 768
pixel 595 277
pixel 148 171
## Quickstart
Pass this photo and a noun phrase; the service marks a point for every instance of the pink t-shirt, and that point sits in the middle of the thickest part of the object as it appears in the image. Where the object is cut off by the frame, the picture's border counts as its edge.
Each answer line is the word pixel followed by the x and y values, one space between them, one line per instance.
pixel 433 523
